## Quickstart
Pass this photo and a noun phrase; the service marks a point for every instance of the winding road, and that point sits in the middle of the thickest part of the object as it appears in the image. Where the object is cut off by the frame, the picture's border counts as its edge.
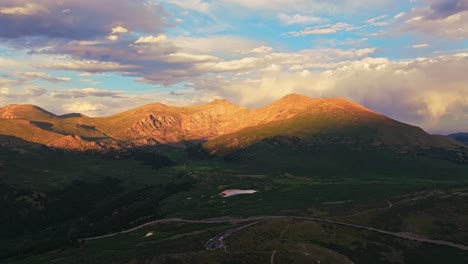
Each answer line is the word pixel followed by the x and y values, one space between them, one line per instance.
pixel 217 241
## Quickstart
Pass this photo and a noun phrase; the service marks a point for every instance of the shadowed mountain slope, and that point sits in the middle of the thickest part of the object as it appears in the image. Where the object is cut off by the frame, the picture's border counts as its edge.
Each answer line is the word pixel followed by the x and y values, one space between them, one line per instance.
pixel 461 137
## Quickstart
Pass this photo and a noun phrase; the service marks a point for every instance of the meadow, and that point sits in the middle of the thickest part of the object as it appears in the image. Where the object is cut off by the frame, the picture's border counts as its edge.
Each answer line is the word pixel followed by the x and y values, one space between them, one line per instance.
pixel 52 199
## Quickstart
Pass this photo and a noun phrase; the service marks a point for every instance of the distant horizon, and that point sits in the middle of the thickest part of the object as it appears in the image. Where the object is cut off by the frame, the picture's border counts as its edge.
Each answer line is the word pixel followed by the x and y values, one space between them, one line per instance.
pixel 404 59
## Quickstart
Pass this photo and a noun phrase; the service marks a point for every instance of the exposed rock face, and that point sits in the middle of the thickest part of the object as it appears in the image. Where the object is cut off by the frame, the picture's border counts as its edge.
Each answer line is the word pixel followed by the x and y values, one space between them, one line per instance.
pixel 163 124
pixel 8 115
pixel 74 142
pixel 157 129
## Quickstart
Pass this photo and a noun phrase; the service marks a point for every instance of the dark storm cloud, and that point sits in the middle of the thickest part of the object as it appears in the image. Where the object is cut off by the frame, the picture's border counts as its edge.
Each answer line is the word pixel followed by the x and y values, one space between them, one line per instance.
pixel 79 20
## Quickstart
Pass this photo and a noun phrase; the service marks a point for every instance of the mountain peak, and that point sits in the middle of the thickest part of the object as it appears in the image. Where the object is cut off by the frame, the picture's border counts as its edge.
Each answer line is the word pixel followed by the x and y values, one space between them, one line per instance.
pixel 220 102
pixel 294 98
pixel 25 111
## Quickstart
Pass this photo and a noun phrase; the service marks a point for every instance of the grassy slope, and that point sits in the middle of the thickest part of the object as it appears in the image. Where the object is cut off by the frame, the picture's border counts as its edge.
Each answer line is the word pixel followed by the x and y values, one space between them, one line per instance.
pixel 337 127
pixel 303 184
pixel 294 242
pixel 35 124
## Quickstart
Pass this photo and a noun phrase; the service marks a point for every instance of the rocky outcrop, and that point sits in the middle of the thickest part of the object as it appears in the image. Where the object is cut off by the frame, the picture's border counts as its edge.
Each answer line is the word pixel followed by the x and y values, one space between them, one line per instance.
pixel 155 129
pixel 74 142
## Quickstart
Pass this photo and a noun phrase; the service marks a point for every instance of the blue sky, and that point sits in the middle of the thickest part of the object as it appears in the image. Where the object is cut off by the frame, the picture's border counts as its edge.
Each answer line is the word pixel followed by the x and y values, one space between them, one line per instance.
pixel 405 59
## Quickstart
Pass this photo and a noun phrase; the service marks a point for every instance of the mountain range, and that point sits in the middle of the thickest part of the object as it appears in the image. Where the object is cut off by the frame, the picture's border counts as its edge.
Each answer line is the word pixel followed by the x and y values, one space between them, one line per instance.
pixel 219 125
pixel 65 178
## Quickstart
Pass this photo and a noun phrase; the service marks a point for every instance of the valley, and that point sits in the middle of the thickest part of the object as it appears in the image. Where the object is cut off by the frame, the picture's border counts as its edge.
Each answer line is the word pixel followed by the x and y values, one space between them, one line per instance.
pixel 307 181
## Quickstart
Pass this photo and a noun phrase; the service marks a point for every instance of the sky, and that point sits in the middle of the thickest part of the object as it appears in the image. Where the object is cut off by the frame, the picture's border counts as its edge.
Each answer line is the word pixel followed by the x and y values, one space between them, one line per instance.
pixel 405 59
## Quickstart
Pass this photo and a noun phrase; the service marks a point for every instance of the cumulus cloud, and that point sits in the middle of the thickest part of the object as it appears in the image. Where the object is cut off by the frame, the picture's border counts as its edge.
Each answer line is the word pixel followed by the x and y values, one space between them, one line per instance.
pixel 151 39
pixel 83 107
pixel 85 20
pixel 448 18
pixel 164 62
pixel 99 106
pixel 119 30
pixel 116 32
pixel 259 50
pixel 176 60
pixel 425 91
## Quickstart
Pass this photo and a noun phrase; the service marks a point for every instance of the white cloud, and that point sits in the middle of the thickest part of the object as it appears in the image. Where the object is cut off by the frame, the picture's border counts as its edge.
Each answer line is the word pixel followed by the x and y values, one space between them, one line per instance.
pixel 430 92
pixel 90 66
pixel 26 92
pixel 113 37
pixel 34 91
pixel 186 57
pixel 259 50
pixel 43 76
pixel 375 19
pixel 119 30
pixel 216 45
pixel 298 19
pixel 116 32
pixel 27 9
pixel 10 63
pixel 83 107
pixel 399 15
pixel 420 46
pixel 151 39
pixel 364 52
pixel 322 30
